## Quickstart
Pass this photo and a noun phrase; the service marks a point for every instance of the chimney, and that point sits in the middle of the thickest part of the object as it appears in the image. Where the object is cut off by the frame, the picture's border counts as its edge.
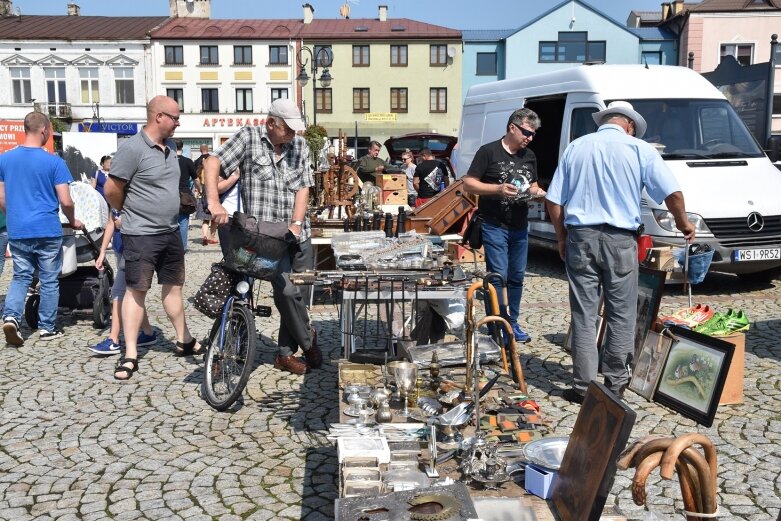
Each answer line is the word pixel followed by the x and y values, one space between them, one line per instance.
pixel 190 8
pixel 383 13
pixel 73 10
pixel 665 10
pixel 309 13
pixel 677 6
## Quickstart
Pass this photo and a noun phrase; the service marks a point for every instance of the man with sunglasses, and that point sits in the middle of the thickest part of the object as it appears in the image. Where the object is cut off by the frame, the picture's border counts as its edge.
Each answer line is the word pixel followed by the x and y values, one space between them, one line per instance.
pixel 275 178
pixel 144 185
pixel 504 174
pixel 594 204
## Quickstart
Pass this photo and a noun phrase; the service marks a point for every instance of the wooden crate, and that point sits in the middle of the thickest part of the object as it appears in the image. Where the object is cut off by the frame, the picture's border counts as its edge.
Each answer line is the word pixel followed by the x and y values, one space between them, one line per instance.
pixel 394 197
pixel 391 181
pixel 463 255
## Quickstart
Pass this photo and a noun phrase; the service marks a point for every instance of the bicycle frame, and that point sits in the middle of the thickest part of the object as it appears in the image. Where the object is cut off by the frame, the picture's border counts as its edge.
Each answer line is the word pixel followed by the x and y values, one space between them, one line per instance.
pixel 245 299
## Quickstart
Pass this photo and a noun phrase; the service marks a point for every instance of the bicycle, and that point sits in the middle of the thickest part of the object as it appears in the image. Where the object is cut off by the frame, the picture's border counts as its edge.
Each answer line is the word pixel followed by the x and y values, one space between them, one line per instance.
pixel 231 346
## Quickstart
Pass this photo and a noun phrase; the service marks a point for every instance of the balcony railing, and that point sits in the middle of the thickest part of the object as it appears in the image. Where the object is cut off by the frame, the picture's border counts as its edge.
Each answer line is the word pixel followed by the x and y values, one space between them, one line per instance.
pixel 55 110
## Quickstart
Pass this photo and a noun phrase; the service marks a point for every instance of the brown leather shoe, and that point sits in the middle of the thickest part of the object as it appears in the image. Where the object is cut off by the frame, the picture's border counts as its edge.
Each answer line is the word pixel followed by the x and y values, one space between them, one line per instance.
pixel 314 358
pixel 291 363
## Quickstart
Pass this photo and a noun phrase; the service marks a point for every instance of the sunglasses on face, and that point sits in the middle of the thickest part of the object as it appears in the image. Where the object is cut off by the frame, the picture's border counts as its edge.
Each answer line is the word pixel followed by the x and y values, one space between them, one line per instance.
pixel 527 133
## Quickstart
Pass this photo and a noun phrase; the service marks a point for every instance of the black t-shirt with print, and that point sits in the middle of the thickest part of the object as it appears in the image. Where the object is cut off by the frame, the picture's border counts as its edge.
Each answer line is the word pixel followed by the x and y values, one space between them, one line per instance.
pixel 492 164
pixel 431 174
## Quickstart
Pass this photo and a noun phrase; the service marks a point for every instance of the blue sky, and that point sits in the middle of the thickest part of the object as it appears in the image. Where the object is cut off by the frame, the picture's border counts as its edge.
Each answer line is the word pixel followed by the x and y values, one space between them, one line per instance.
pixel 457 14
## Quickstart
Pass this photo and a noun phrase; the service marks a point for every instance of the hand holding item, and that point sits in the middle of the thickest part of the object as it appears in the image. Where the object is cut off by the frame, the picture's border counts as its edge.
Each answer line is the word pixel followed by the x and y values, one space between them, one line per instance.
pixel 508 190
pixel 219 214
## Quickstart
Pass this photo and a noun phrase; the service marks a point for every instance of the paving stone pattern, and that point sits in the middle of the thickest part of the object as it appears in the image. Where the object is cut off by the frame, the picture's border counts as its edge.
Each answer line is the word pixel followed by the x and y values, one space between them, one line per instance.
pixel 75 444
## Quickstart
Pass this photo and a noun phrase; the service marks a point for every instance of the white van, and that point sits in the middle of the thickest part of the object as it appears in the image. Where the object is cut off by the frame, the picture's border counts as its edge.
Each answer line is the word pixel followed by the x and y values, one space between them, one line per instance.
pixel 732 190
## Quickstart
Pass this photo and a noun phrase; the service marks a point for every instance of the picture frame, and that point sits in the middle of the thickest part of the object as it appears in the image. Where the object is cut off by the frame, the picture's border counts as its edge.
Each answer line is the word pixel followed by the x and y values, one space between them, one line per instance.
pixel 694 373
pixel 649 364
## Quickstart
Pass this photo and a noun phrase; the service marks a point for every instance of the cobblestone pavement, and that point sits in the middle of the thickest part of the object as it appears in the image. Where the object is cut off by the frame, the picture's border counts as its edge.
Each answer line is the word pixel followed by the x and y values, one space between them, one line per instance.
pixel 75 444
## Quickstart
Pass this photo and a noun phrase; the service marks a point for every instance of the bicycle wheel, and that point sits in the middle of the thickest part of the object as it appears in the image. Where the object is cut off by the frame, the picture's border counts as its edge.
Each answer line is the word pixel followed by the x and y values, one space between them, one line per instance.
pixel 228 367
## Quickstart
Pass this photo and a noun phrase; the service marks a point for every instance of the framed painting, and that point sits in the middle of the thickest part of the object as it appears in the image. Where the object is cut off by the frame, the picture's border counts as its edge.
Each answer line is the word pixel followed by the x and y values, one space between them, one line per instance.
pixel 693 375
pixel 650 286
pixel 648 365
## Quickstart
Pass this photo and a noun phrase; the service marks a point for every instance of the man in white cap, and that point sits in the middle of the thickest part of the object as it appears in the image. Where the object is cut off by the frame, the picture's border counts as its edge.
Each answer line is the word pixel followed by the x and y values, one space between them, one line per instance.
pixel 594 204
pixel 275 180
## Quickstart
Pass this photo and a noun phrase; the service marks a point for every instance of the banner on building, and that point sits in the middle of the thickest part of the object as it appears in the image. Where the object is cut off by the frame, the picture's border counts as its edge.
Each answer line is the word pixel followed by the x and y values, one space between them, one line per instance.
pixel 12 135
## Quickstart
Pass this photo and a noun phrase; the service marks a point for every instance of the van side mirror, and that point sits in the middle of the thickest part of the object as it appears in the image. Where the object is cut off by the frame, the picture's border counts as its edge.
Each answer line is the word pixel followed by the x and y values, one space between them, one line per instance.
pixel 774 148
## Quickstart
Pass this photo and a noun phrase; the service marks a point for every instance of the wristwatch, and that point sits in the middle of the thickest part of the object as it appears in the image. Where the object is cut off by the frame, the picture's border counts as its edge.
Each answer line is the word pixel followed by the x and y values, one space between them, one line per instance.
pixel 297 223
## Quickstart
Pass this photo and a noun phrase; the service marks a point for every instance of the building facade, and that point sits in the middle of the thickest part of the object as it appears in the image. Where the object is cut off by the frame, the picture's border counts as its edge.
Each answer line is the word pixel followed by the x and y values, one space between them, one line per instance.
pixel 389 77
pixel 89 72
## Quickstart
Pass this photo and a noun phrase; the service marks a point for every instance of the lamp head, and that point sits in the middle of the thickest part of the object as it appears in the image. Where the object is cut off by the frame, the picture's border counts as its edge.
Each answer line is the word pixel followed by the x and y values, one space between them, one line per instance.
pixel 325 79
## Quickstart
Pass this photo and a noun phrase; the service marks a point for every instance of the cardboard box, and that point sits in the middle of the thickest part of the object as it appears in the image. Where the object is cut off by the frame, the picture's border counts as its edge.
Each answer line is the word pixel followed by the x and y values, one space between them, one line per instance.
pixel 733 386
pixel 663 259
pixel 540 481
pixel 391 181
pixel 394 196
pixel 463 255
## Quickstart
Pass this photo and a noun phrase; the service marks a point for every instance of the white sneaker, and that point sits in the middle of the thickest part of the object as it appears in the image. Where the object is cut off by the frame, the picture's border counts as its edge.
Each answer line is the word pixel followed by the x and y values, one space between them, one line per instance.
pixel 50 335
pixel 11 330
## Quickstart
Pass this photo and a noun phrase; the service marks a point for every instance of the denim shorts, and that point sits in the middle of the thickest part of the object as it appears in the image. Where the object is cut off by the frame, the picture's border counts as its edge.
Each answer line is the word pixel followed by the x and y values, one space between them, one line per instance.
pixel 146 255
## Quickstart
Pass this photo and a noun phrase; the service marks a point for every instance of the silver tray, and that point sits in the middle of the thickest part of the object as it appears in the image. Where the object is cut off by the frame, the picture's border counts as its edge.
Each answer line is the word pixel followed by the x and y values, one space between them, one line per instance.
pixel 349 411
pixel 547 452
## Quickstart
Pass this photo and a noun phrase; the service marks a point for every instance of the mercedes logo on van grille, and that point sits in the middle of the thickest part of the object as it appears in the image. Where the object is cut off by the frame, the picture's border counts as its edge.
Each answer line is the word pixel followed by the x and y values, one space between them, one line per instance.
pixel 755 222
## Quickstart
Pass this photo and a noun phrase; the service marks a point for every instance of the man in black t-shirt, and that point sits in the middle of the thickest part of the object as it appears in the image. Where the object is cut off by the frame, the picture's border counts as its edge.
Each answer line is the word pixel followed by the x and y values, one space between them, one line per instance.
pixel 504 174
pixel 429 178
pixel 187 173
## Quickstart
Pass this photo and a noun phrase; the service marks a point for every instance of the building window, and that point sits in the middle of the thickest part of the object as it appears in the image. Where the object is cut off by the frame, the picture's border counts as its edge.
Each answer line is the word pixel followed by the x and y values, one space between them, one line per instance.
pixel 777 104
pixel 243 100
pixel 438 100
pixel 277 55
pixel 573 47
pixel 174 55
pixel 398 100
pixel 324 58
pixel 178 95
pixel 361 100
pixel 209 55
pixel 486 64
pixel 278 94
pixel 742 52
pixel 90 92
pixel 398 56
pixel 20 83
pixel 242 55
pixel 55 85
pixel 123 79
pixel 360 55
pixel 438 55
pixel 323 101
pixel 210 100
pixel 651 58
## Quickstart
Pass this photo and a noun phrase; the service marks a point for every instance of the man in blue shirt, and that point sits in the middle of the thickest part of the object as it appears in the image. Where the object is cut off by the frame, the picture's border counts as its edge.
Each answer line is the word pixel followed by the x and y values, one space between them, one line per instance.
pixel 594 204
pixel 36 183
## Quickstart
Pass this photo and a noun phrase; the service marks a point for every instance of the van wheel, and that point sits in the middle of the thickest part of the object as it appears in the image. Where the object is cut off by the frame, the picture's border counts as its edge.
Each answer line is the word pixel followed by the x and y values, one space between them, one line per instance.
pixel 760 277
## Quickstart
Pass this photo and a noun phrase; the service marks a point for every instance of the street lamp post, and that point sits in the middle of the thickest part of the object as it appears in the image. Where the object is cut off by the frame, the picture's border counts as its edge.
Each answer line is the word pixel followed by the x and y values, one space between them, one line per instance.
pixel 322 57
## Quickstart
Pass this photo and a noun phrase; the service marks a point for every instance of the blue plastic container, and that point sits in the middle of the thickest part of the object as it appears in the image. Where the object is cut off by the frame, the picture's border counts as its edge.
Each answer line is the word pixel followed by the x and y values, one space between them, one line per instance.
pixel 698 264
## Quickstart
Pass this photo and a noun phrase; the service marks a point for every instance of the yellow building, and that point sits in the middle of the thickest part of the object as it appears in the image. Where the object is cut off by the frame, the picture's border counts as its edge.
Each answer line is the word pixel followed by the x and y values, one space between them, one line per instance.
pixel 389 76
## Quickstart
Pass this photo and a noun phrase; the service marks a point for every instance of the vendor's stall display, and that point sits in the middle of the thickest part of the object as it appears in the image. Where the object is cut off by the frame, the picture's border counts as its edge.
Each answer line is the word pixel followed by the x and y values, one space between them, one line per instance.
pixel 689 317
pixel 588 467
pixel 648 366
pixel 724 324
pixel 694 374
pixel 448 503
pixel 697 473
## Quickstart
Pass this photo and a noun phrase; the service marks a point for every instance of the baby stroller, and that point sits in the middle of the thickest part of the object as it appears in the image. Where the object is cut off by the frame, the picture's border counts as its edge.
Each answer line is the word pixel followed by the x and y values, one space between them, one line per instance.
pixel 81 287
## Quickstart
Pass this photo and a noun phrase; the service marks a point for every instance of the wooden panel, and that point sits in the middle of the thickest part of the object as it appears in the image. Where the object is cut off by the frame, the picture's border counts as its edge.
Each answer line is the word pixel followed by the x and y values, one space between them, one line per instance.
pixel 394 196
pixel 448 209
pixel 391 181
pixel 588 468
pixel 733 386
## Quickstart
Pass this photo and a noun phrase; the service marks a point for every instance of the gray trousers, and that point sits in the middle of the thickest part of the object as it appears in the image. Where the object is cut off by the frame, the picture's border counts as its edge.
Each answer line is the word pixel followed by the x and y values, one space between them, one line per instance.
pixel 294 327
pixel 602 256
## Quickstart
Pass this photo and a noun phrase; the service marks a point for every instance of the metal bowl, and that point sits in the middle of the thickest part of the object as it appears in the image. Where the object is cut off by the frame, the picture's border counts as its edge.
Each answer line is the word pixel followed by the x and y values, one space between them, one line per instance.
pixel 547 452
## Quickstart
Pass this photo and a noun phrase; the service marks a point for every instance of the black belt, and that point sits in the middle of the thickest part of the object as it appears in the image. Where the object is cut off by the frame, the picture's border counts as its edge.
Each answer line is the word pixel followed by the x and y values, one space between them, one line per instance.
pixel 604 227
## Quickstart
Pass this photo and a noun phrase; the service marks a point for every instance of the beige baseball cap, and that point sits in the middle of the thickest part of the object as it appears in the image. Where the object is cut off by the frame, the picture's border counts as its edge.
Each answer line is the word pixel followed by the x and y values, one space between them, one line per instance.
pixel 287 110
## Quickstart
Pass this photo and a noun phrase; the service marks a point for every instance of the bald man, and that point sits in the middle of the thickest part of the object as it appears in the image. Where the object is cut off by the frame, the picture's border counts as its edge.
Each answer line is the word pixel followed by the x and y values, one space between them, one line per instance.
pixel 144 185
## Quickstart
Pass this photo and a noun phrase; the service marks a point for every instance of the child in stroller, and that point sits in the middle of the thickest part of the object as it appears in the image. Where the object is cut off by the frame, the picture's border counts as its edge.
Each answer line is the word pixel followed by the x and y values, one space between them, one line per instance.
pixel 111 345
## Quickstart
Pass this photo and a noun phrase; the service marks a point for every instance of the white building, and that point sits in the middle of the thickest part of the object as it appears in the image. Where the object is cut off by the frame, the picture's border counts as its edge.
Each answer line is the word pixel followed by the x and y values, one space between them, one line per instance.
pixel 79 69
pixel 223 73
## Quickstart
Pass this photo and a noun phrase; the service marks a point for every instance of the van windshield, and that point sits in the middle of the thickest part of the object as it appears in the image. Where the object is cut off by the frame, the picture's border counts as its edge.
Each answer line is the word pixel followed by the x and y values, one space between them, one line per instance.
pixel 696 129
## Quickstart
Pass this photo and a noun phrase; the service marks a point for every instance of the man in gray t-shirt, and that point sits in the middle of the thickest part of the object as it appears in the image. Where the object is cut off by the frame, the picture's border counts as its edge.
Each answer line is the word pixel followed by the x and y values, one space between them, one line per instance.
pixel 144 185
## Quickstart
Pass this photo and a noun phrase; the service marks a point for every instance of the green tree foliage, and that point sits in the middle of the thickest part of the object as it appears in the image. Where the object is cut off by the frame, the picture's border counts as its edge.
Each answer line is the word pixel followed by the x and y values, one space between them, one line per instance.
pixel 314 135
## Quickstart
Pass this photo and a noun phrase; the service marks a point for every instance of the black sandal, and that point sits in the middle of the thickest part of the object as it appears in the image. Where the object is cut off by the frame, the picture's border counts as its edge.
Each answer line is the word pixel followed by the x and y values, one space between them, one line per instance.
pixel 120 367
pixel 188 349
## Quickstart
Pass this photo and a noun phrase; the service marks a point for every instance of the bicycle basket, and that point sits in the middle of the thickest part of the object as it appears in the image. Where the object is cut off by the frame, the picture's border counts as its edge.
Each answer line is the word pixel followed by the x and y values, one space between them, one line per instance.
pixel 215 290
pixel 256 248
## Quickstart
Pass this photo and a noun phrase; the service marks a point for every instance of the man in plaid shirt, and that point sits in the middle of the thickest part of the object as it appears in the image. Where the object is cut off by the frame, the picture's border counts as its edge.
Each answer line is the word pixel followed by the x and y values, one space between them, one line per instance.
pixel 275 180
